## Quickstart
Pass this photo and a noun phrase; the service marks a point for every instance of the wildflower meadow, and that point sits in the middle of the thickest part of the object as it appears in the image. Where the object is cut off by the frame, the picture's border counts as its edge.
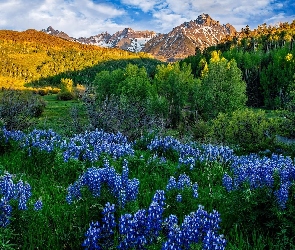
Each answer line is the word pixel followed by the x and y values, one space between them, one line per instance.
pixel 98 190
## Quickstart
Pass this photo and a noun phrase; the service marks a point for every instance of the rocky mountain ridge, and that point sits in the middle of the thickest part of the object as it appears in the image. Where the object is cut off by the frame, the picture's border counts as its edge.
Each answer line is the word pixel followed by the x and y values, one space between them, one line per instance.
pixel 179 43
pixel 127 39
pixel 183 40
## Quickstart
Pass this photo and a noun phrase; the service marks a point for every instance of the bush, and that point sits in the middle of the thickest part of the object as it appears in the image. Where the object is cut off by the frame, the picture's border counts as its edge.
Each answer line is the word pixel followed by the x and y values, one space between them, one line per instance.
pixel 43 92
pixel 66 92
pixel 65 96
pixel 113 115
pixel 251 130
pixel 18 108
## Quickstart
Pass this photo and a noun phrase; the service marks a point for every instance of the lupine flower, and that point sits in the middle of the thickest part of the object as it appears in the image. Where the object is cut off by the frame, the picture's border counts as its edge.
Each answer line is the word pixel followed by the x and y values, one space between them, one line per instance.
pixel 259 172
pixel 180 184
pixel 179 198
pixel 171 183
pixel 93 234
pixel 282 194
pixel 20 192
pixel 197 227
pixel 212 241
pixel 24 193
pixel 5 213
pixel 183 182
pixel 38 205
pixel 121 187
pixel 189 154
pixel 227 182
pixel 195 190
pixel 90 145
pixel 99 234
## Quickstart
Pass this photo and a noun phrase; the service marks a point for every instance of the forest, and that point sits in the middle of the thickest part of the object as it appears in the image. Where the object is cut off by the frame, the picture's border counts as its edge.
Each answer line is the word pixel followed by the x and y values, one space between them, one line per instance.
pixel 107 149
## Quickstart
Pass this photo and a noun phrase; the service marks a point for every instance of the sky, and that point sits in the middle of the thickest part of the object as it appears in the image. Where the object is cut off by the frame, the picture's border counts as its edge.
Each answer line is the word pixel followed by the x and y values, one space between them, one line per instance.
pixel 84 18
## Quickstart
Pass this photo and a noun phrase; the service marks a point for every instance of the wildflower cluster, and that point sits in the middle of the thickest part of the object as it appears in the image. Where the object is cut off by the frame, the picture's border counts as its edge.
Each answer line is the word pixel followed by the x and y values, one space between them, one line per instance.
pixel 97 234
pixel 197 227
pixel 189 154
pixel 144 226
pixel 87 146
pixel 120 186
pixel 260 172
pixel 156 159
pixel 44 140
pixel 183 182
pixel 9 191
pixel 90 145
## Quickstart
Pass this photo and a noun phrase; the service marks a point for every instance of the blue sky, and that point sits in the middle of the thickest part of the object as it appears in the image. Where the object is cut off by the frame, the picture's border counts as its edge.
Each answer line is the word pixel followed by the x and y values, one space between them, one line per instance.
pixel 90 17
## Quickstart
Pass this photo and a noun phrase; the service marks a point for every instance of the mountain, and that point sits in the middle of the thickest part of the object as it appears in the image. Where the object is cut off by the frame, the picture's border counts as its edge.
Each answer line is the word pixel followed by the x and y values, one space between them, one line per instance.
pixel 61 34
pixel 185 38
pixel 127 39
pixel 177 44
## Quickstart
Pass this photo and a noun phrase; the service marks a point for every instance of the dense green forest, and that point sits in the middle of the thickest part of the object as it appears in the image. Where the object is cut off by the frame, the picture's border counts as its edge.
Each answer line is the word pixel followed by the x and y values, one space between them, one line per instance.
pixel 265 56
pixel 106 149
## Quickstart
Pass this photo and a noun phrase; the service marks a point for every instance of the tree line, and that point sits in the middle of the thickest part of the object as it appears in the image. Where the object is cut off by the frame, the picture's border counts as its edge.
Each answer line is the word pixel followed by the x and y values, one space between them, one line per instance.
pixel 266 58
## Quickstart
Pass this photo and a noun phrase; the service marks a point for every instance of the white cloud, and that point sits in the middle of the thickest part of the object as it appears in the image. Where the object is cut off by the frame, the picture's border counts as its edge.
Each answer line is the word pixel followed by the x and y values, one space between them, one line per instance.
pixel 238 13
pixel 77 18
pixel 89 17
pixel 279 18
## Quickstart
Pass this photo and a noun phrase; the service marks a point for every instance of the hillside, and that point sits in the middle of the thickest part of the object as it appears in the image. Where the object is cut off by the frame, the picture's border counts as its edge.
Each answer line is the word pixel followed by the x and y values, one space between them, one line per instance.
pixel 31 56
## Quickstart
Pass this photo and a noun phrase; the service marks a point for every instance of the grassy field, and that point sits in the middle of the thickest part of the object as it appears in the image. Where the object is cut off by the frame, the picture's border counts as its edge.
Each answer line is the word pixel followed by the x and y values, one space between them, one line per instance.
pixel 62 116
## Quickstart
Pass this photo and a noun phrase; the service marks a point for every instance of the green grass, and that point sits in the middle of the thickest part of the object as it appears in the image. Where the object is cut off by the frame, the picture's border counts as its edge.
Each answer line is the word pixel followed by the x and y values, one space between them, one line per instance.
pixel 58 115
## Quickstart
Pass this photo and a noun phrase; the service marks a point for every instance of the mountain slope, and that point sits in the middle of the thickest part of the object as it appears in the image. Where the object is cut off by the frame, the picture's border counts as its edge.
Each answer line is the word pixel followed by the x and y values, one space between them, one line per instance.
pixel 185 38
pixel 33 56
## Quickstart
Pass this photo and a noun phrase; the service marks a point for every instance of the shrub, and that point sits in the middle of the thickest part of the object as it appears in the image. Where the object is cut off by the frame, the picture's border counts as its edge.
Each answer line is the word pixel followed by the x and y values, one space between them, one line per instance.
pixel 66 91
pixel 251 130
pixel 65 96
pixel 43 92
pixel 18 108
pixel 114 114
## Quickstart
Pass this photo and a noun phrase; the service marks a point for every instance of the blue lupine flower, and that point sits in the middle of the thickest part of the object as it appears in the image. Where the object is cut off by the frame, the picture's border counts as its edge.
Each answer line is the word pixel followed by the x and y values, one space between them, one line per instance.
pixel 183 182
pixel 24 193
pixel 227 182
pixel 20 192
pixel 212 241
pixel 189 154
pixel 93 234
pixel 195 190
pixel 5 213
pixel 179 198
pixel 121 187
pixel 97 234
pixel 171 183
pixel 282 194
pixel 258 172
pixel 197 227
pixel 38 205
pixel 90 145
pixel 7 187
